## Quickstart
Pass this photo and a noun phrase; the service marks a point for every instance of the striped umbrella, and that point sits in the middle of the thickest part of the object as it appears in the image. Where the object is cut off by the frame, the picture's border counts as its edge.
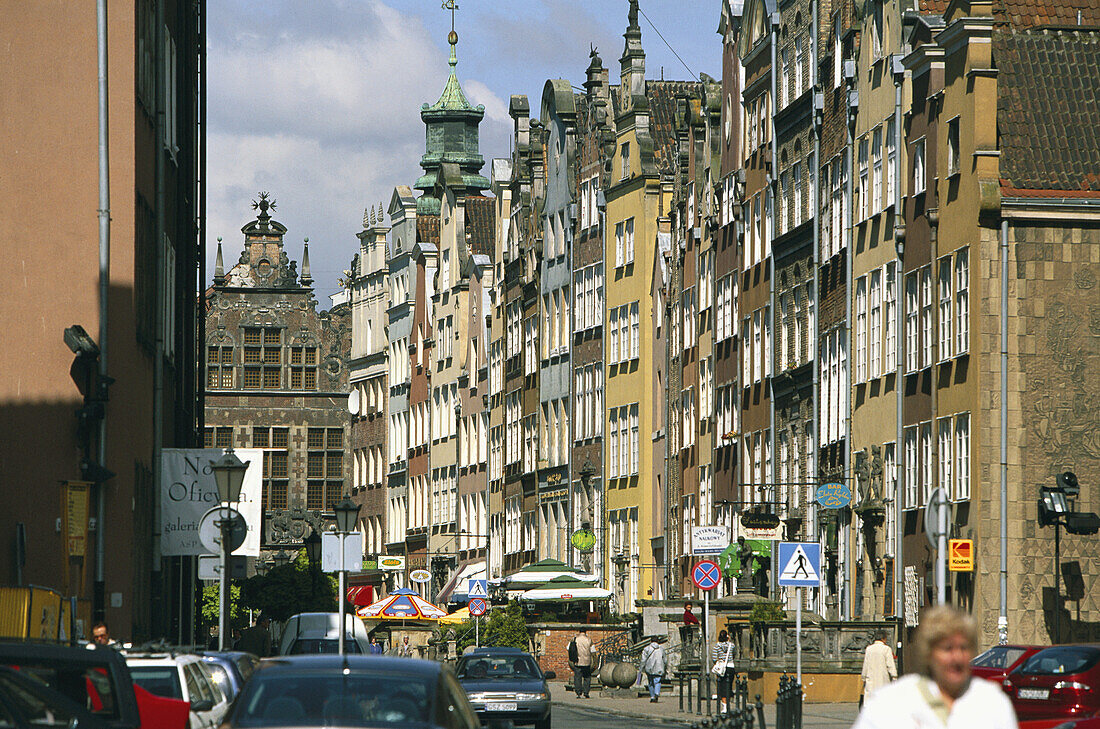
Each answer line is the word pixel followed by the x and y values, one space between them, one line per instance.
pixel 403 604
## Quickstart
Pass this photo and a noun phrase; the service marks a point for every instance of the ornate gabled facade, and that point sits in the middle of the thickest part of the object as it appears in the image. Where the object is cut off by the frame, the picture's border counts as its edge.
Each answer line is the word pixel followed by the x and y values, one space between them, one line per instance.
pixel 277 379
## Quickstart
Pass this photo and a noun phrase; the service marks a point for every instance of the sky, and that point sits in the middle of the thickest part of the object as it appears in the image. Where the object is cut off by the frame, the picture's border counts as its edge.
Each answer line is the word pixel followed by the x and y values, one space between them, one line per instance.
pixel 318 101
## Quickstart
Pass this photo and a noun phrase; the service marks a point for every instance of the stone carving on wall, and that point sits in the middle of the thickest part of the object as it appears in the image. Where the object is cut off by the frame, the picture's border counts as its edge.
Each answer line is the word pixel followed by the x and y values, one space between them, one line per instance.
pixel 292 525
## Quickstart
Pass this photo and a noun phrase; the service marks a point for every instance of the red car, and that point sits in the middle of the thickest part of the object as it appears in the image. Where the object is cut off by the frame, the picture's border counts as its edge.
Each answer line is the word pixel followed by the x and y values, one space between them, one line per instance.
pixel 997 662
pixel 1062 681
pixel 1086 723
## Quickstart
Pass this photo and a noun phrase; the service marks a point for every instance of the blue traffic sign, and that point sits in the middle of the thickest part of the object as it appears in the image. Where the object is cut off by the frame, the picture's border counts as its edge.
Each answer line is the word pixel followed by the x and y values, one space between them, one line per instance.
pixel 478 606
pixel 706 575
pixel 799 564
pixel 477 588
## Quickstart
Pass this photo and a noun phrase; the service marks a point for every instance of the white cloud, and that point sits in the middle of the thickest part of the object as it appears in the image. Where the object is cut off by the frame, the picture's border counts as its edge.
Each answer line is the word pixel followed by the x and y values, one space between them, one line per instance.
pixel 322 109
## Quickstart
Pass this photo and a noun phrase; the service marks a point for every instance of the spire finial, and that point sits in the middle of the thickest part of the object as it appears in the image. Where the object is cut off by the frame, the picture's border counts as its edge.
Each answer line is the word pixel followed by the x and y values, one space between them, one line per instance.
pixel 219 266
pixel 307 275
pixel 452 37
pixel 366 217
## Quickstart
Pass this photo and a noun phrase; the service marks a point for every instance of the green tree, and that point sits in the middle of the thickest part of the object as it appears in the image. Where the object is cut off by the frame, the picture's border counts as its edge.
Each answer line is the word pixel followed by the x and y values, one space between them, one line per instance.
pixel 506 627
pixel 210 615
pixel 290 589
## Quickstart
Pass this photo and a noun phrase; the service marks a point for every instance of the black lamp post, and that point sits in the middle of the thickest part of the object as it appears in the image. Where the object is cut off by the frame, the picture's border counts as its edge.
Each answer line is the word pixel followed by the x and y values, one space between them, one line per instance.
pixel 347 514
pixel 313 554
pixel 1056 509
pixel 281 558
pixel 229 475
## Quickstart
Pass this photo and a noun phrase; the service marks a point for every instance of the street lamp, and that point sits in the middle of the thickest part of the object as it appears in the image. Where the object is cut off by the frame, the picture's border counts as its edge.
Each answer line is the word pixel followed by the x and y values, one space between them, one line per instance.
pixel 347 515
pixel 229 476
pixel 1056 508
pixel 282 557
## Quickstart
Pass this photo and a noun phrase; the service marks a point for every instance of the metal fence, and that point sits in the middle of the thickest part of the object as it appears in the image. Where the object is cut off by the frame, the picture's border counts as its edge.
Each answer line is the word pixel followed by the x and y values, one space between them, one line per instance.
pixel 745 715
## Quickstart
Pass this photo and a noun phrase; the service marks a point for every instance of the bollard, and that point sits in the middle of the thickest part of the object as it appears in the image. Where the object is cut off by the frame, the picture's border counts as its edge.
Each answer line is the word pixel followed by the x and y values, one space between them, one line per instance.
pixel 681 691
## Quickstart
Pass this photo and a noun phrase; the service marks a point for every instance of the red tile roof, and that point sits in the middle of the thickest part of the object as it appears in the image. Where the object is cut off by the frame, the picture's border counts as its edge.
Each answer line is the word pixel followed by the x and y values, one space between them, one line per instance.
pixel 480 227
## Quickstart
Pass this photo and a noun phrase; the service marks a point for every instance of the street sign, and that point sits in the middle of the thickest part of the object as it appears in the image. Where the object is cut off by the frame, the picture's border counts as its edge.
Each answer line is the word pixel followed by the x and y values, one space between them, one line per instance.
pixel 583 540
pixel 833 495
pixel 759 525
pixel 210 533
pixel 330 553
pixel 960 555
pixel 210 567
pixel 799 564
pixel 706 575
pixel 709 539
pixel 420 576
pixel 932 517
pixel 477 587
pixel 392 562
pixel 478 606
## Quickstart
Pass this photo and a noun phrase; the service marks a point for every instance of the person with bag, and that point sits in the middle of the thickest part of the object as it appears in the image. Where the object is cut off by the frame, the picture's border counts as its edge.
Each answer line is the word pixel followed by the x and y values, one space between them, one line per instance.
pixel 572 651
pixel 582 684
pixel 943 695
pixel 653 666
pixel 722 655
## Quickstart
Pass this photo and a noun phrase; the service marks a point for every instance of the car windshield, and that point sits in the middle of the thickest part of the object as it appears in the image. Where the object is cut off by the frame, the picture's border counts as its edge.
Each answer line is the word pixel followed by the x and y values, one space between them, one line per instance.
pixel 333 699
pixel 159 680
pixel 999 656
pixel 1061 660
pixel 497 667
pixel 314 646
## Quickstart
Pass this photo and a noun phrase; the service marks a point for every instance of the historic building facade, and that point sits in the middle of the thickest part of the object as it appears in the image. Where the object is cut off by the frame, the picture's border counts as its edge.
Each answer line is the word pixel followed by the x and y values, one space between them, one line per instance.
pixel 277 380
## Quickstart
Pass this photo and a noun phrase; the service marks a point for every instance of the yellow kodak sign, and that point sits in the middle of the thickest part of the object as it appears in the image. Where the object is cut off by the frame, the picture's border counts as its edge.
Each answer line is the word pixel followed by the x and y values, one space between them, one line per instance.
pixel 960 555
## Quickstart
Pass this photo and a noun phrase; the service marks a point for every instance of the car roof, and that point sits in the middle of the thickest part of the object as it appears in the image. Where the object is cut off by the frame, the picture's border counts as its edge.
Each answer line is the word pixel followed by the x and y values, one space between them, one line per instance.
pixel 498 650
pixel 355 662
pixel 160 659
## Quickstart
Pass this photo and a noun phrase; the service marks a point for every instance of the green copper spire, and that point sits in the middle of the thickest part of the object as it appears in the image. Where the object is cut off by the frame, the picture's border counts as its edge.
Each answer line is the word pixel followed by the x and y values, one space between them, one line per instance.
pixel 451 135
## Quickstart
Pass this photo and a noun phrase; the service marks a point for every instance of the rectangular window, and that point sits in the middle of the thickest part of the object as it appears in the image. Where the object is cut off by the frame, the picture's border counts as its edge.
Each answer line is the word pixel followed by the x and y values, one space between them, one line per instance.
pixel 766 353
pixel 962 457
pixel 944 286
pixel 889 318
pixel 918 167
pixel 862 193
pixel 757 345
pixel 891 161
pixel 946 455
pixel 219 368
pixel 874 334
pixel 926 461
pixel 861 330
pixel 876 170
pixel 911 468
pixel 799 62
pixel 953 163
pixel 926 315
pixel 628 242
pixel 618 244
pixel 796 197
pixel 635 330
pixel 613 443
pixel 624 160
pixel 962 301
pixel 635 442
pixel 303 368
pixel 784 201
pixel 912 322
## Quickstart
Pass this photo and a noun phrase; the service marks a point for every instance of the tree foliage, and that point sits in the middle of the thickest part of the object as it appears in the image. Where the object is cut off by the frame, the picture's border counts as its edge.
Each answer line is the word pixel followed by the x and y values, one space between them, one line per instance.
pixel 506 627
pixel 290 589
pixel 210 604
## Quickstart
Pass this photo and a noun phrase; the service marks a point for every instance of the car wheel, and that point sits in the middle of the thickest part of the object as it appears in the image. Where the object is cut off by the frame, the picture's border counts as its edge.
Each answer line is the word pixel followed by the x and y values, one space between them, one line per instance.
pixel 543 723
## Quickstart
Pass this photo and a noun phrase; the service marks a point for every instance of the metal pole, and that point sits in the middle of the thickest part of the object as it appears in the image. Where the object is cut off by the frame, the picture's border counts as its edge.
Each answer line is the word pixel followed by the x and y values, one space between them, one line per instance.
pixel 477 631
pixel 941 546
pixel 1057 581
pixel 223 585
pixel 104 212
pixel 340 597
pixel 798 634
pixel 1002 618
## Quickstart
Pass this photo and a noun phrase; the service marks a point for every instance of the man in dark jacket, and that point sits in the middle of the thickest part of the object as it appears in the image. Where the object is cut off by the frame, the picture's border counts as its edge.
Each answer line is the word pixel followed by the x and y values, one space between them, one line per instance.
pixel 257 639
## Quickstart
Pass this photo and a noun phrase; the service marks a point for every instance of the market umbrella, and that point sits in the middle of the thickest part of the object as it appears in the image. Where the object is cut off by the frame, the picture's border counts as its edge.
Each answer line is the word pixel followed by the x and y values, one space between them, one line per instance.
pixel 539 573
pixel 458 616
pixel 403 604
pixel 565 588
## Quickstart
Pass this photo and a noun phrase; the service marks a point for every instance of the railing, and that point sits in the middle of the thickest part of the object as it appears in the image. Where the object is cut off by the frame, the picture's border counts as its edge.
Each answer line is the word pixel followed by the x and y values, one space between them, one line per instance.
pixel 741 714
pixel 788 703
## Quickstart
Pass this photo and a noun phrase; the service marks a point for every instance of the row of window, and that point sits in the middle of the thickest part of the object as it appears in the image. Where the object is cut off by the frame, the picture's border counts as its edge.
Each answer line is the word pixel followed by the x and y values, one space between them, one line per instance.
pixel 588 401
pixel 952 289
pixel 588 290
pixel 756 362
pixel 554 433
pixel 555 322
pixel 869 199
pixel 948 468
pixel 876 301
pixel 624 242
pixel 262 365
pixel 623 441
pixel 793 346
pixel 624 332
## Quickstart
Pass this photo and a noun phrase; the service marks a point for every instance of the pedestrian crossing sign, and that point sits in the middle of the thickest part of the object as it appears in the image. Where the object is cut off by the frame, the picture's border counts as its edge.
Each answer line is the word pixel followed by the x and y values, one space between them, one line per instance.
pixel 476 588
pixel 800 564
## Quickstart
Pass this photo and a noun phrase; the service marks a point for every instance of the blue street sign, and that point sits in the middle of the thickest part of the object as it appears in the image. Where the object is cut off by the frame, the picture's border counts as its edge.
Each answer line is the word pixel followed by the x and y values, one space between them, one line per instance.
pixel 706 575
pixel 799 564
pixel 477 606
pixel 476 588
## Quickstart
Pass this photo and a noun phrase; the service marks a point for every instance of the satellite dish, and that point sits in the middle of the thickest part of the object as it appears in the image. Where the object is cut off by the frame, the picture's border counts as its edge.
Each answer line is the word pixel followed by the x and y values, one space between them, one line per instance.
pixel 353 402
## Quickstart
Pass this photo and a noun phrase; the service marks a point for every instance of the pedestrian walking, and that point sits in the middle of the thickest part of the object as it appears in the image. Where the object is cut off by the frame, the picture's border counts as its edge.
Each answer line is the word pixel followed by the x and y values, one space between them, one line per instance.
pixel 257 639
pixel 585 650
pixel 723 668
pixel 653 666
pixel 943 695
pixel 879 667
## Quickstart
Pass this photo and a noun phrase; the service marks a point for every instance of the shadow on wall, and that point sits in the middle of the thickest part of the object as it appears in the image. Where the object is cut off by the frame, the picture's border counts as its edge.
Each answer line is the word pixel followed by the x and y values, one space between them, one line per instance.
pixel 1064 624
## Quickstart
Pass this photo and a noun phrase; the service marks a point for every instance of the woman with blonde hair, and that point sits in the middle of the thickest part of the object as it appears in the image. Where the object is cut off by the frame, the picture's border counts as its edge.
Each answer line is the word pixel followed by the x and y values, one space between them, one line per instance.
pixel 942 695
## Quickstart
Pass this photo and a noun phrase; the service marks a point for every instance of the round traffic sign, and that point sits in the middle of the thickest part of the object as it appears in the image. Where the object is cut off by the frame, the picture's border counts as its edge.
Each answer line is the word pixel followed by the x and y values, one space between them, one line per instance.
pixel 210 533
pixel 478 606
pixel 706 575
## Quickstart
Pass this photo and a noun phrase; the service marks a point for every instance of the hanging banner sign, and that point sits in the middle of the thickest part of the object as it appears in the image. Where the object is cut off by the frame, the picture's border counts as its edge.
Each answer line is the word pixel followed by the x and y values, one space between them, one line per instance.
pixel 709 539
pixel 833 495
pixel 188 491
pixel 759 525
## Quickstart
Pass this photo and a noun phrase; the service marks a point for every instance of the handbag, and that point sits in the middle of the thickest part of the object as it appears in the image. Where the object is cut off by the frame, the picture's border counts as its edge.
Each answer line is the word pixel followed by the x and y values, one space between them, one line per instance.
pixel 719 667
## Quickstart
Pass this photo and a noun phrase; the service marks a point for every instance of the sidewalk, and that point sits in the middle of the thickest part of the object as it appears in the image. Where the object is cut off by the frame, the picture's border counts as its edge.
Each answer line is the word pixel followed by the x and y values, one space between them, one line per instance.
pixel 666 711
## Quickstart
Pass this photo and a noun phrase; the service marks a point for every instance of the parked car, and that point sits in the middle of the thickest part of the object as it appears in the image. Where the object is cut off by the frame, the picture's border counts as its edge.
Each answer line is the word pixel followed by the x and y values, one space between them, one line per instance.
pixel 1085 723
pixel 27 702
pixel 997 662
pixel 505 685
pixel 230 669
pixel 319 633
pixel 97 679
pixel 352 691
pixel 1062 681
pixel 181 676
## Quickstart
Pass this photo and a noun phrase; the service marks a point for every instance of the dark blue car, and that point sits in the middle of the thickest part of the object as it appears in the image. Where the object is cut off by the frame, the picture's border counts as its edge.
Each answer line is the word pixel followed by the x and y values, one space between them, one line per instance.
pixel 505 685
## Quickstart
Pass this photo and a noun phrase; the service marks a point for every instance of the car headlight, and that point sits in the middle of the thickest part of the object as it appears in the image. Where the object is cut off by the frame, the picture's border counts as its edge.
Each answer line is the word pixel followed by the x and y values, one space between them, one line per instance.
pixel 532 697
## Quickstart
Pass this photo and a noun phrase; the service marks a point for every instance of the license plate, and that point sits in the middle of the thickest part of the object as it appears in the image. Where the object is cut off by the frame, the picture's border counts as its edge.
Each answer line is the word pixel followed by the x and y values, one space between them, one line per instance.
pixel 1028 693
pixel 496 706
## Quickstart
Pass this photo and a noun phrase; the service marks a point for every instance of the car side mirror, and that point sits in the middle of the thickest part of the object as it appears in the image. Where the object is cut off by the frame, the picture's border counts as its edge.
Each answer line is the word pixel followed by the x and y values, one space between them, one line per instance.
pixel 202 705
pixel 550 675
